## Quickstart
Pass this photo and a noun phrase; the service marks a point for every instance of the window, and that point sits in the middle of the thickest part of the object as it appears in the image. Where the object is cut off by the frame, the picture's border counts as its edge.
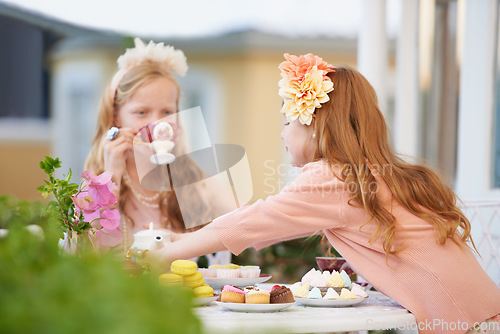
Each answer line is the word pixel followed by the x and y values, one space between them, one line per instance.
pixel 23 79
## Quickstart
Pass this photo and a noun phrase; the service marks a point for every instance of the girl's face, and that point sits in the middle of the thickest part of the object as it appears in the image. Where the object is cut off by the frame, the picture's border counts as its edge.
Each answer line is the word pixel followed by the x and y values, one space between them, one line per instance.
pixel 151 102
pixel 299 142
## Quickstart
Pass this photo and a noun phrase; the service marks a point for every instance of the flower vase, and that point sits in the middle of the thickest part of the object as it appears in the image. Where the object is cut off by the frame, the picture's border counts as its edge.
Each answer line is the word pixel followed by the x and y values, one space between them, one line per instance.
pixel 82 242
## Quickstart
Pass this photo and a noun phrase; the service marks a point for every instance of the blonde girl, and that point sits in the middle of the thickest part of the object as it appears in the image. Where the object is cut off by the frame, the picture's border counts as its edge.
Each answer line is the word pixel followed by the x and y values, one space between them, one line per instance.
pixel 144 91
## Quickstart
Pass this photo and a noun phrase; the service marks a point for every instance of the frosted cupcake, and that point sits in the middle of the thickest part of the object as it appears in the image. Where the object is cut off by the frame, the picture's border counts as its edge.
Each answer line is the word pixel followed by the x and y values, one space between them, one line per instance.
pixel 228 273
pixel 250 271
pixel 208 272
pixel 232 294
pixel 281 294
pixel 254 295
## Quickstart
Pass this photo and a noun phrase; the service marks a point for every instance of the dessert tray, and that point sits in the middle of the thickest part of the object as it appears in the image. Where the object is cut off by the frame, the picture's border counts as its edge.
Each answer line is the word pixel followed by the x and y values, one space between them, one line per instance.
pixel 201 301
pixel 239 282
pixel 329 302
pixel 255 308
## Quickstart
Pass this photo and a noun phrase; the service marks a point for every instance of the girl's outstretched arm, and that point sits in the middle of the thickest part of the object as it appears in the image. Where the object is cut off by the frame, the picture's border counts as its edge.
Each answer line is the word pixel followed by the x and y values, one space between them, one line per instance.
pixel 198 243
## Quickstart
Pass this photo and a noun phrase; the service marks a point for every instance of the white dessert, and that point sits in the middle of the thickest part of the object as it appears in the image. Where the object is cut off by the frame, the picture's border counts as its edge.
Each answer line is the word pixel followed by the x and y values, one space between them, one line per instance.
pixel 331 294
pixel 315 293
pixel 346 294
pixel 319 281
pixel 358 290
pixel 309 276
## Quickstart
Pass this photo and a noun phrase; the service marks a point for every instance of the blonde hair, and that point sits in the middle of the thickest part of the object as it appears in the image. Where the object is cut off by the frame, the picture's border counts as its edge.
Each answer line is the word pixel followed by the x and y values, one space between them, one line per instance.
pixel 110 104
pixel 352 133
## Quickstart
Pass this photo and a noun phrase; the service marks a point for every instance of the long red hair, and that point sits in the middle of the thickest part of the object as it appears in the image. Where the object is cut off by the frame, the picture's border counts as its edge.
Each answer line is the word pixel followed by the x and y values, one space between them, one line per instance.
pixel 352 133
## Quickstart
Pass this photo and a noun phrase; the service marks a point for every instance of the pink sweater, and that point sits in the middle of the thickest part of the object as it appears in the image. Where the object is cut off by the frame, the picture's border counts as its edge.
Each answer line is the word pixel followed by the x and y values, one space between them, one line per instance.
pixel 439 284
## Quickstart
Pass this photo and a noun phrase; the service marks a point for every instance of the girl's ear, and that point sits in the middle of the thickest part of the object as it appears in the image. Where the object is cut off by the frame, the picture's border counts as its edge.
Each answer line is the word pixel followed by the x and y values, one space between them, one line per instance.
pixel 313 125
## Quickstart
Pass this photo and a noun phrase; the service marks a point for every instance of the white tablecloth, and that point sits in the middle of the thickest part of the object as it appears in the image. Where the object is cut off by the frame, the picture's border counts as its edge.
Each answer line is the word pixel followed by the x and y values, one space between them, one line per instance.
pixel 377 312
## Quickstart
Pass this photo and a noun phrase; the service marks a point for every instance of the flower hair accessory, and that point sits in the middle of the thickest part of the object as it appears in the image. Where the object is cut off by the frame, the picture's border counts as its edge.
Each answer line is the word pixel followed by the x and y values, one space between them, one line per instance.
pixel 165 56
pixel 304 85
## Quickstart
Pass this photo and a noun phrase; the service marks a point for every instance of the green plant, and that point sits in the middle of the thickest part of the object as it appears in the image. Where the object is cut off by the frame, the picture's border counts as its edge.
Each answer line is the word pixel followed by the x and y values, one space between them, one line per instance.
pixel 22 212
pixel 62 190
pixel 83 207
pixel 43 290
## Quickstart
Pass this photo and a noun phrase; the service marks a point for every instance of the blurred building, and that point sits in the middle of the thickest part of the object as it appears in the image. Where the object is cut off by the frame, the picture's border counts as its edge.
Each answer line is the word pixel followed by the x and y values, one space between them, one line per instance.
pixel 435 80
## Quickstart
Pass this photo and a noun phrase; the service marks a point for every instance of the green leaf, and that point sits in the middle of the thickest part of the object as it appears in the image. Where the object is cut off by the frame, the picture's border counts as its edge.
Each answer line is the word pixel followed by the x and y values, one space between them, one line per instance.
pixel 70 174
pixel 57 163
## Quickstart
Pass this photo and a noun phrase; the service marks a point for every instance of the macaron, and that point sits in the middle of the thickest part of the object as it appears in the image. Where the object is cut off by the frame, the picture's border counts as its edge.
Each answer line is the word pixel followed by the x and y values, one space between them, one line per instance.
pixel 194 280
pixel 170 279
pixel 184 267
pixel 203 291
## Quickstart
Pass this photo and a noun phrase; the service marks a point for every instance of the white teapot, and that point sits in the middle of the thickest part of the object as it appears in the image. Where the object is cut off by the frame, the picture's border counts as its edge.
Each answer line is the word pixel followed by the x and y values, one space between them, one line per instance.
pixel 149 240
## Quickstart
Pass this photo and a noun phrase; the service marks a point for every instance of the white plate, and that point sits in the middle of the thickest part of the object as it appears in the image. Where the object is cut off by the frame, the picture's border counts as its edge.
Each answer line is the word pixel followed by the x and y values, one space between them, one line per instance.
pixel 329 302
pixel 201 301
pixel 215 282
pixel 255 308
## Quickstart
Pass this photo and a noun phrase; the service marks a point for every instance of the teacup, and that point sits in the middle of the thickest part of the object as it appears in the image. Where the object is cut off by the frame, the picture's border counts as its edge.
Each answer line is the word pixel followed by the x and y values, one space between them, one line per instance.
pixel 327 263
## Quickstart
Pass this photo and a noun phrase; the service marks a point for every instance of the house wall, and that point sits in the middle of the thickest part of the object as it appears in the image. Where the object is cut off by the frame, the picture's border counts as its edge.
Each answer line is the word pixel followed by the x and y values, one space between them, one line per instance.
pixel 20 173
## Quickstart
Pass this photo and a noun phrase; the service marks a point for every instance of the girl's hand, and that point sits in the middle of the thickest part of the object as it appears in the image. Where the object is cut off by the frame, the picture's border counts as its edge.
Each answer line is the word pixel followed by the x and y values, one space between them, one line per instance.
pixel 115 152
pixel 158 260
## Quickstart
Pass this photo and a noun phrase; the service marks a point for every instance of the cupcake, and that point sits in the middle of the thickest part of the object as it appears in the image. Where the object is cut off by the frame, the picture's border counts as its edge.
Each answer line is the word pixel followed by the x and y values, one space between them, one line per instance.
pixel 231 266
pixel 250 271
pixel 216 266
pixel 281 295
pixel 254 295
pixel 232 294
pixel 208 272
pixel 228 273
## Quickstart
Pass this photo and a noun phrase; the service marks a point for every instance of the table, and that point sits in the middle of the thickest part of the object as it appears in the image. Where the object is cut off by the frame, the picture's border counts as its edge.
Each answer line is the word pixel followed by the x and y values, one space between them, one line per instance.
pixel 377 312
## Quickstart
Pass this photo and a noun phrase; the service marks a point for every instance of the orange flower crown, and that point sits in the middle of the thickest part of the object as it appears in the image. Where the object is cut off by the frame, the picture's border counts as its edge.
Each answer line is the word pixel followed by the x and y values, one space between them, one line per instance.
pixel 304 86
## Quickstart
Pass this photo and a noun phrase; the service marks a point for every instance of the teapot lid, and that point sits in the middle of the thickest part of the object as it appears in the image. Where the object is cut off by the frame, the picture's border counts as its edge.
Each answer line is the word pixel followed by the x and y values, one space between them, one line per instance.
pixel 151 231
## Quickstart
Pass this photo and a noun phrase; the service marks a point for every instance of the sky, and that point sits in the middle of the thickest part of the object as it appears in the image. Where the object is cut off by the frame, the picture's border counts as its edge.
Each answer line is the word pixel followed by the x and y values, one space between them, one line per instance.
pixel 197 18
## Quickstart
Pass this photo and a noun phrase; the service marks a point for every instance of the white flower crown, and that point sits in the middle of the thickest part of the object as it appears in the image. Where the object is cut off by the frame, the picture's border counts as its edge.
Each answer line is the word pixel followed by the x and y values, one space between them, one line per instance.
pixel 164 55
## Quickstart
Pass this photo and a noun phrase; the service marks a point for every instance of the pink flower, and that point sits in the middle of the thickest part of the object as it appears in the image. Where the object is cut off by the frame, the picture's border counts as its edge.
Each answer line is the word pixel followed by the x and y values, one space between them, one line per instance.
pixel 86 204
pixel 102 196
pixel 97 180
pixel 94 201
pixel 100 188
pixel 295 68
pixel 110 219
pixel 109 238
